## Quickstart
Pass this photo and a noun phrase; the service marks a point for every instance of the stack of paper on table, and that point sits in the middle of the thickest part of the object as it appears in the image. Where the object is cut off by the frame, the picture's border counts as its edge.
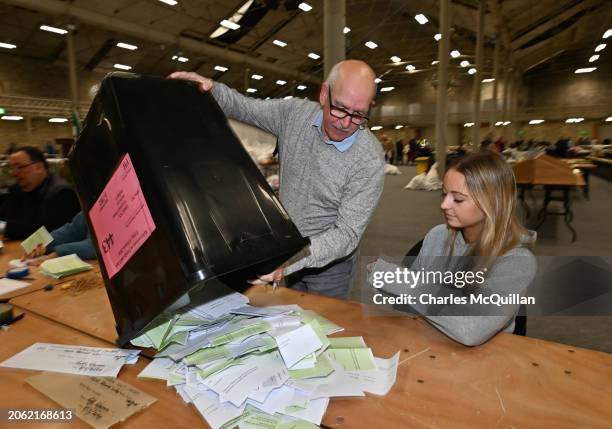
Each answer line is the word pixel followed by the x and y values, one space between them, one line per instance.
pixel 261 367
pixel 64 266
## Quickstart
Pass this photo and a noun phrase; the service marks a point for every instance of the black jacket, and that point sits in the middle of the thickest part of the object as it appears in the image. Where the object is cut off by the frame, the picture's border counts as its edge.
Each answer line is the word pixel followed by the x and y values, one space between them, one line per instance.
pixel 52 204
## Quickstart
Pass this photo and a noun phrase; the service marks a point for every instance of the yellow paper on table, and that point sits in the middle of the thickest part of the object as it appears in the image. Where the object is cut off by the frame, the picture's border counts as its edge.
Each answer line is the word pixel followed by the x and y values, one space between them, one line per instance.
pixel 353 359
pixel 40 236
pixel 64 266
pixel 99 401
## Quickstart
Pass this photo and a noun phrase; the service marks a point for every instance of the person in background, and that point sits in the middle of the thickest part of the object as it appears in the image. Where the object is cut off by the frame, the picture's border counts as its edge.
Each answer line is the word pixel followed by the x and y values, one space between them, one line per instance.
pixel 331 165
pixel 39 198
pixel 482 234
pixel 71 238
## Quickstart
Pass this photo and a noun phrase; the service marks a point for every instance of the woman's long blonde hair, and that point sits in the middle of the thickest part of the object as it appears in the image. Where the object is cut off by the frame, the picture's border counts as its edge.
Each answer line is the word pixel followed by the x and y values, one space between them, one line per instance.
pixel 491 184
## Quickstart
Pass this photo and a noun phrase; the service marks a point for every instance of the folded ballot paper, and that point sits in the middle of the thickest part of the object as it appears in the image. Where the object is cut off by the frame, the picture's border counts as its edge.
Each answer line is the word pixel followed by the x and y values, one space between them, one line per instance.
pixel 261 367
pixel 64 266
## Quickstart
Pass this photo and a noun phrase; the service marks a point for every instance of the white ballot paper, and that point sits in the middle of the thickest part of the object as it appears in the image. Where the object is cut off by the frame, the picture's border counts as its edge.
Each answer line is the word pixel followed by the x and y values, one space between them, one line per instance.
pixel 380 381
pixel 101 362
pixel 295 345
pixel 221 306
pixel 10 285
pixel 215 412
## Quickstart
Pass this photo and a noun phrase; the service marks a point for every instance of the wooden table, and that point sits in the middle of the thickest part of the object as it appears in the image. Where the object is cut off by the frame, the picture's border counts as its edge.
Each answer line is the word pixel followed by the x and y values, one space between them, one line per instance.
pixel 88 311
pixel 13 250
pixel 167 412
pixel 509 381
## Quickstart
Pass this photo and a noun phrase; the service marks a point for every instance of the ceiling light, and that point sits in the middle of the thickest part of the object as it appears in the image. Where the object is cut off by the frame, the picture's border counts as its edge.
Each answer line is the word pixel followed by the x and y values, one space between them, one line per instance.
pixel 472 70
pixel 455 53
pixel 498 123
pixel 301 87
pixel 305 7
pixel 7 45
pixel 279 43
pixel 609 119
pixel 235 18
pixel 346 30
pixel 170 2
pixel 410 68
pixel 387 89
pixel 607 34
pixel 257 77
pixel 488 80
pixel 53 29
pixel 593 58
pixel 371 44
pixel 288 97
pixel 127 46
pixel 122 67
pixel 12 118
pixel 251 90
pixel 421 19
pixel 230 25
pixel 180 59
pixel 536 121
pixel 280 82
pixel 506 123
pixel 585 70
pixel 396 59
pixel 376 128
pixel 600 47
pixel 468 124
pixel 464 63
pixel 314 56
pixel 58 120
pixel 574 120
pixel 434 62
pixel 221 68
pixel 437 37
pixel 399 127
pixel 377 80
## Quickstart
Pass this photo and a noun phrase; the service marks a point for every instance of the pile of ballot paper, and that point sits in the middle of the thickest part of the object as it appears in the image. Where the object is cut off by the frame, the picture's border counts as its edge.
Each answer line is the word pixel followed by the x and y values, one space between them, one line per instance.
pixel 64 266
pixel 261 367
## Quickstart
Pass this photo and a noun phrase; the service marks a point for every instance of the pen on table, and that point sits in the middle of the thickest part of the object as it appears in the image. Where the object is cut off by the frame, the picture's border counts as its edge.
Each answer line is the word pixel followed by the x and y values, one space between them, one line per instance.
pixel 274 285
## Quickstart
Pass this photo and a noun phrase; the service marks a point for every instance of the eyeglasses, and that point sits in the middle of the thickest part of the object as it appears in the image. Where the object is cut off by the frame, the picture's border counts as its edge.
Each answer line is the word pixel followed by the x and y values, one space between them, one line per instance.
pixel 340 113
pixel 18 168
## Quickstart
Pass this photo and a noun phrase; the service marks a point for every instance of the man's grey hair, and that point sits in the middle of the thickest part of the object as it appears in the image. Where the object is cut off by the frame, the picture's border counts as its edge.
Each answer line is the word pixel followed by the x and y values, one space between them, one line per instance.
pixel 333 75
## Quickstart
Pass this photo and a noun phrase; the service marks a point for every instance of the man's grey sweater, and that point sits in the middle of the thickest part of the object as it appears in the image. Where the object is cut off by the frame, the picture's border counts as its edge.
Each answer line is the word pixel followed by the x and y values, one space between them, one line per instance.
pixel 329 195
pixel 510 273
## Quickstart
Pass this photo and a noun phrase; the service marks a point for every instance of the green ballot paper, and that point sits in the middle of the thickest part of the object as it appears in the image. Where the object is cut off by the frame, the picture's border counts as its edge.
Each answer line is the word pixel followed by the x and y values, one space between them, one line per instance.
pixel 64 266
pixel 40 236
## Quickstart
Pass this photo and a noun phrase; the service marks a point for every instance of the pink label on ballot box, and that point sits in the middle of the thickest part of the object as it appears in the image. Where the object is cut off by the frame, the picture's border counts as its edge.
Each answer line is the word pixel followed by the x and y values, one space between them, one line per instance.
pixel 121 218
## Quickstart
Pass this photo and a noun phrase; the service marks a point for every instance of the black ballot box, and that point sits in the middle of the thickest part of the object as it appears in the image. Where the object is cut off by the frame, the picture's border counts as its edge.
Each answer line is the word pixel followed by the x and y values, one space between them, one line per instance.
pixel 174 203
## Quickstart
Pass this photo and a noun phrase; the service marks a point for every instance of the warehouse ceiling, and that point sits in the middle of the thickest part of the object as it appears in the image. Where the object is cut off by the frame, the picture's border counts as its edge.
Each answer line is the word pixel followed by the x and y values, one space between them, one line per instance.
pixel 533 33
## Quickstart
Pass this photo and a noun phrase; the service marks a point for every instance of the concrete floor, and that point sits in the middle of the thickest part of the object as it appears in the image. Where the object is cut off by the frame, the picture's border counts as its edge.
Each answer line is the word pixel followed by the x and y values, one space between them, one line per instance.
pixel 403 217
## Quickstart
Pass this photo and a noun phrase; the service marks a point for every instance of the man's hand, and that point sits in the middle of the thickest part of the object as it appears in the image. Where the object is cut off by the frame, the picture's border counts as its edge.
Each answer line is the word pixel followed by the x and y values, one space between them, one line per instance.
pixel 274 277
pixel 204 84
pixel 38 251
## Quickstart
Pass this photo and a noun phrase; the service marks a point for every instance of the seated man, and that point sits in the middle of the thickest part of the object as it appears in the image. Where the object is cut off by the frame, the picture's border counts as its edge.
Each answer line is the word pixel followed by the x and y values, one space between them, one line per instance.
pixel 38 198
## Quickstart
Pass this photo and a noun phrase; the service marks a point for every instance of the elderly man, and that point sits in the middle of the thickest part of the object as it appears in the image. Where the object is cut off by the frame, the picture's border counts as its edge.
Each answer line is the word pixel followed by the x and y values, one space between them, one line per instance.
pixel 331 169
pixel 38 198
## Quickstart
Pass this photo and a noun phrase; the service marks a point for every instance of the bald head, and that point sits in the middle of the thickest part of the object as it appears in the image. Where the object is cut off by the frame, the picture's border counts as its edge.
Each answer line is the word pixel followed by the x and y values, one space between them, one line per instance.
pixel 350 89
pixel 355 75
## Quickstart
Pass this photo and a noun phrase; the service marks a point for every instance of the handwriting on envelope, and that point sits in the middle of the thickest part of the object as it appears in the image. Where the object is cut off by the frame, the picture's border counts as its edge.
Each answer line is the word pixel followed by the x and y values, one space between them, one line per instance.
pixel 121 218
pixel 101 402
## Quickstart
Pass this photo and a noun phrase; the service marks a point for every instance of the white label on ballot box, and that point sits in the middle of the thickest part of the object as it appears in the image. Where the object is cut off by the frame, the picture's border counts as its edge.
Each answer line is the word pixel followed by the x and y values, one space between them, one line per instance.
pixel 121 218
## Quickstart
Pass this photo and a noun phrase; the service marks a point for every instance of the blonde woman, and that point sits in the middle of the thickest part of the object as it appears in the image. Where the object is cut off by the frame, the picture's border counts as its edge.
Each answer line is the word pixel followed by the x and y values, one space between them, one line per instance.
pixel 481 252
